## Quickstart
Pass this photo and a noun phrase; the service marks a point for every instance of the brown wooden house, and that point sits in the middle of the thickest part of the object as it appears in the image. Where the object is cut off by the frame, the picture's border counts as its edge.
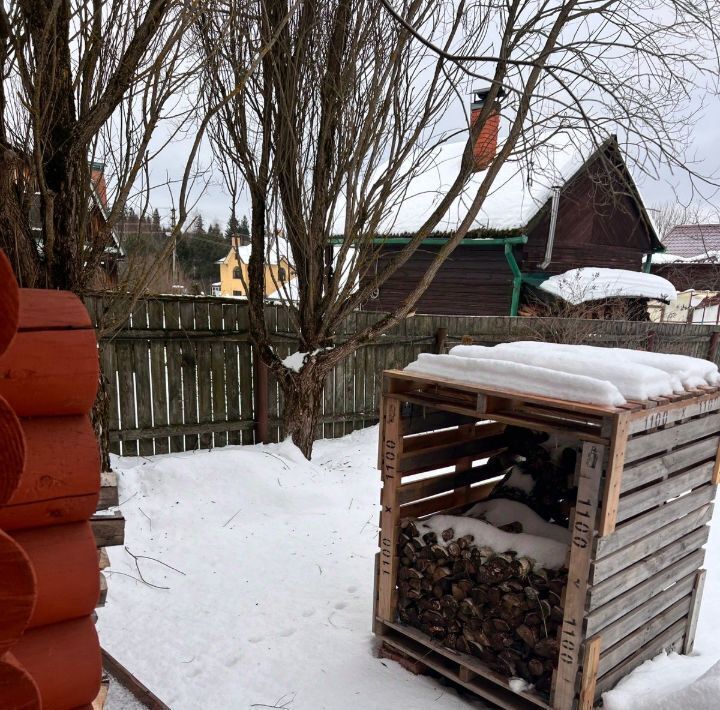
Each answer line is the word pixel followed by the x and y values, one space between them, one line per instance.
pixel 600 221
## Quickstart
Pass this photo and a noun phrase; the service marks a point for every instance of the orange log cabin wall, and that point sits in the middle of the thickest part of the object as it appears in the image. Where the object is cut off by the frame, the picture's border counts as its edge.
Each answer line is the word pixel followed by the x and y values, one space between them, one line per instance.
pixel 49 486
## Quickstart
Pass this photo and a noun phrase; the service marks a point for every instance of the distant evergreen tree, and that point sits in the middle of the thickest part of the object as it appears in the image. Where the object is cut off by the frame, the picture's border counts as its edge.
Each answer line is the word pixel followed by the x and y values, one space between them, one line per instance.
pixel 199 250
pixel 244 231
pixel 232 226
pixel 156 221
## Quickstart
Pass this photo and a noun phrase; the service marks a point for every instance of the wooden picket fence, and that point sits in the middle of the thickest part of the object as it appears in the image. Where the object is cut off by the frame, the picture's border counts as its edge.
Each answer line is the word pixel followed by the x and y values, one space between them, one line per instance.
pixel 182 374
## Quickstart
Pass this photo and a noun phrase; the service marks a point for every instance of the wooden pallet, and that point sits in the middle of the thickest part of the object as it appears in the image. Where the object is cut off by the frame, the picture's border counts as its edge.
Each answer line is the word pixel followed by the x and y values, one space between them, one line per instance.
pixel 647 475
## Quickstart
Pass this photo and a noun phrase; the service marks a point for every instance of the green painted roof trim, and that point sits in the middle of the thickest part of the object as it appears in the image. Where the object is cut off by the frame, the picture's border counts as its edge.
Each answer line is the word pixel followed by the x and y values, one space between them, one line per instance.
pixel 437 241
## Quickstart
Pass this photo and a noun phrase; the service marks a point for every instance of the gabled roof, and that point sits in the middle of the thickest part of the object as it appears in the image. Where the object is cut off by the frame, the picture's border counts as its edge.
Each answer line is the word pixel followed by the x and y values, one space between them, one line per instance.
pixel 520 192
pixel 688 240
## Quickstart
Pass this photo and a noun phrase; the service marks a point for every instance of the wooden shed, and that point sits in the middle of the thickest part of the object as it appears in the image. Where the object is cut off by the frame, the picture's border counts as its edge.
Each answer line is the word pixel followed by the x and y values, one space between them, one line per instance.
pixel 601 221
pixel 646 477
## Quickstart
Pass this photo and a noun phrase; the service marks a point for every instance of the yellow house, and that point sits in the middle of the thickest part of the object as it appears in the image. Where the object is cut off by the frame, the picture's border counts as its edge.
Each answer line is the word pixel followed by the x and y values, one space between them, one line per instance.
pixel 234 269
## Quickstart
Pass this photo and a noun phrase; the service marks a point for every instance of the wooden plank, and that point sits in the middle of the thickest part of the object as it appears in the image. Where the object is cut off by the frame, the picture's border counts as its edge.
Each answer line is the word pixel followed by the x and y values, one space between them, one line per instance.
pixel 109 530
pixel 591 658
pixel 581 544
pixel 409 492
pixel 663 491
pixel 391 447
pixel 670 639
pixel 109 371
pixel 424 419
pixel 432 441
pixel 423 648
pixel 147 698
pixel 716 469
pixel 245 363
pixel 600 617
pixel 187 429
pixel 189 374
pixel 697 592
pixel 613 474
pixel 662 466
pixel 174 356
pixel 666 439
pixel 640 615
pixel 126 395
pixel 615 655
pixel 108 490
pixel 446 503
pixel 103 559
pixel 646 524
pixel 143 394
pixel 626 556
pixel 232 374
pixel 628 578
pixel 158 369
pixel 676 412
pixel 476 448
pixel 217 360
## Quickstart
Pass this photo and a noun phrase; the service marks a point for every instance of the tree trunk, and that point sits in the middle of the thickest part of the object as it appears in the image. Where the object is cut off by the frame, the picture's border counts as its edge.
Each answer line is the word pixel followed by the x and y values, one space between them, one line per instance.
pixel 302 394
pixel 100 416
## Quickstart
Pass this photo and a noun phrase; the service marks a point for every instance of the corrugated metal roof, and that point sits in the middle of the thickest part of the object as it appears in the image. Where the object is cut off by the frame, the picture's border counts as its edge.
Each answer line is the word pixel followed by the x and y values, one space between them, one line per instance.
pixel 692 239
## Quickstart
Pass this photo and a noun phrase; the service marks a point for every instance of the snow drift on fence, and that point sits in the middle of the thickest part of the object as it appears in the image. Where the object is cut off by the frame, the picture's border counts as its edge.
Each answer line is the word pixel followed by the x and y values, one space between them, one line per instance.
pixel 520 378
pixel 633 380
pixel 592 283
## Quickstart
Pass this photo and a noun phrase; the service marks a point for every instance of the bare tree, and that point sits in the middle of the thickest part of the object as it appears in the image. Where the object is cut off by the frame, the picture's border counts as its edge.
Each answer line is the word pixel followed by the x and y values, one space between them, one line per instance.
pixel 345 110
pixel 83 82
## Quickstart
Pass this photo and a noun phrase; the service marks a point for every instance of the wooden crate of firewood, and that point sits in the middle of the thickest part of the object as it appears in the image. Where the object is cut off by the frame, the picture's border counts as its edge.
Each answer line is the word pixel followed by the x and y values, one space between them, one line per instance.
pixel 635 487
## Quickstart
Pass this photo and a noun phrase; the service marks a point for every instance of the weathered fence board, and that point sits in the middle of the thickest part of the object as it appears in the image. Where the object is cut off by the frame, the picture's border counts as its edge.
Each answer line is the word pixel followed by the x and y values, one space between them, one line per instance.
pixel 181 373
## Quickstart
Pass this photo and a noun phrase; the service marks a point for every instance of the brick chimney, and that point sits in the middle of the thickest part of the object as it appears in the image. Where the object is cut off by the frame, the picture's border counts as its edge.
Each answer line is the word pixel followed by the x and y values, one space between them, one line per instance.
pixel 486 141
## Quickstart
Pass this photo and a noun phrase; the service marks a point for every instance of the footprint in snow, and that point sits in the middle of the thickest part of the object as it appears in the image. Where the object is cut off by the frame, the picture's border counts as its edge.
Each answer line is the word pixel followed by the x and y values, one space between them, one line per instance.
pixel 287 632
pixel 340 605
pixel 352 589
pixel 308 612
pixel 255 639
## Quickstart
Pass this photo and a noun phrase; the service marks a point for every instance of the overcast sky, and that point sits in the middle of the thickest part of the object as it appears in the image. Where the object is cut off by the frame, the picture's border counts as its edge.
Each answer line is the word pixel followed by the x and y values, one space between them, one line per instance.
pixel 214 204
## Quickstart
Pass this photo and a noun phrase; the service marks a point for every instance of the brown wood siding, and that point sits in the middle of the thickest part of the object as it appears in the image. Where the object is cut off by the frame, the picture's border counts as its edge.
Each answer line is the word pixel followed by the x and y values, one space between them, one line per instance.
pixel 597 226
pixel 474 281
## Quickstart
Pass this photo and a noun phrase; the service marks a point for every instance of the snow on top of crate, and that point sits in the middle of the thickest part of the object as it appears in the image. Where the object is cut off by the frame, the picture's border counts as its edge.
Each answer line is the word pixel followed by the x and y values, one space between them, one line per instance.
pixel 544 551
pixel 593 283
pixel 690 371
pixel 635 382
pixel 579 373
pixel 519 378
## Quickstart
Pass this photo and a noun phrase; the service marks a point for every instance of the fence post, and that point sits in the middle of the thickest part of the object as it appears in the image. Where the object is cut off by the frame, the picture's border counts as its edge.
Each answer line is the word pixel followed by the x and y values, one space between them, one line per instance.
pixel 440 339
pixel 712 350
pixel 261 399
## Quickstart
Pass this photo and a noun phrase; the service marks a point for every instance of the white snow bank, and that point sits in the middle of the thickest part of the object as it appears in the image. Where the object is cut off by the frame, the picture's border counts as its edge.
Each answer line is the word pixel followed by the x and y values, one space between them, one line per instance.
pixel 546 552
pixel 641 690
pixel 501 511
pixel 518 377
pixel 592 283
pixel 634 381
pixel 690 371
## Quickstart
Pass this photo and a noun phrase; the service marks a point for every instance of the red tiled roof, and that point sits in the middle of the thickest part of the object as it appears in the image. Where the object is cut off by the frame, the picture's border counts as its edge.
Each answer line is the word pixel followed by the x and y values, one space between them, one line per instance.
pixel 692 239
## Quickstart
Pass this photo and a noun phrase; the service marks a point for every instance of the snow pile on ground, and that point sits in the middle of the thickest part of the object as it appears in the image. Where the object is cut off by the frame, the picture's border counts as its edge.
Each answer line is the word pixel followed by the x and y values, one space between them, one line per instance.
pixel 271 603
pixel 689 371
pixel 634 382
pixel 518 377
pixel 592 283
pixel 501 511
pixel 546 552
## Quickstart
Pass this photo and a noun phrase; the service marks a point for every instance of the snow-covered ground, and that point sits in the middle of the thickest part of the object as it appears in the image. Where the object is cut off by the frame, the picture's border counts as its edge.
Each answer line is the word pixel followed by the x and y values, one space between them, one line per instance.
pixel 269 602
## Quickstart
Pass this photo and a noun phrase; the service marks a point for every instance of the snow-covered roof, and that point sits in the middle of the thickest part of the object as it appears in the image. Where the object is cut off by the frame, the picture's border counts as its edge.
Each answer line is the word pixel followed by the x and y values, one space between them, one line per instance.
pixel 593 283
pixel 287 292
pixel 709 257
pixel 515 198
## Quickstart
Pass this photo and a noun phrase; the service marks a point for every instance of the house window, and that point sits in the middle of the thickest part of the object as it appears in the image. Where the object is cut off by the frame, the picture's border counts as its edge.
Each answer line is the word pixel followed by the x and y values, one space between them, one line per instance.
pixel 238 293
pixel 236 272
pixel 282 275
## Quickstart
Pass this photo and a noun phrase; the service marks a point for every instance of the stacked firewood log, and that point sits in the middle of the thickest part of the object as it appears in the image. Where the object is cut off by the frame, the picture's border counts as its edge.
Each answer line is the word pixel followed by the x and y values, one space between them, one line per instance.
pixel 499 607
